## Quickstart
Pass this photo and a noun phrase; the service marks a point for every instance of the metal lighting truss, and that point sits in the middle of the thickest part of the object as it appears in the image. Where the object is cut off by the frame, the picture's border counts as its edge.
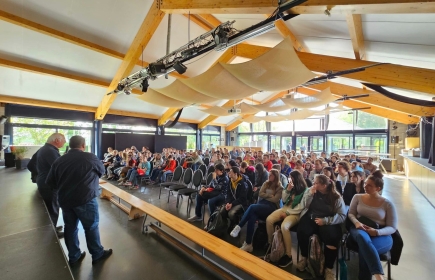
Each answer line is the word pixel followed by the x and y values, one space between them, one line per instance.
pixel 219 39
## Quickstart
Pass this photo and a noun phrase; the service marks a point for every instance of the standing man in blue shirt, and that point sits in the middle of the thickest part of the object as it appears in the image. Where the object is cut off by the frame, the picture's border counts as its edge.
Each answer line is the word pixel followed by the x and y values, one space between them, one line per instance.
pixel 76 176
pixel 44 159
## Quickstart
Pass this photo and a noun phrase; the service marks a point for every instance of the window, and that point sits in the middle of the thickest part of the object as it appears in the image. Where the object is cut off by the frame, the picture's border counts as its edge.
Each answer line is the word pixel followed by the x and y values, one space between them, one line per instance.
pixel 282 126
pixel 369 121
pixel 29 136
pixel 244 140
pixel 210 141
pixel 260 141
pixel 341 121
pixel 259 126
pixel 275 142
pixel 337 142
pixel 68 133
pixel 375 143
pixel 244 127
pixel 34 121
pixel 307 125
pixel 128 127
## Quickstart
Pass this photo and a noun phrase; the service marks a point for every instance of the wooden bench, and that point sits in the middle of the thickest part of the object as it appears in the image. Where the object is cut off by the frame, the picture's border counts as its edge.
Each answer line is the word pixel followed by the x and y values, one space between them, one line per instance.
pixel 240 259
pixel 110 192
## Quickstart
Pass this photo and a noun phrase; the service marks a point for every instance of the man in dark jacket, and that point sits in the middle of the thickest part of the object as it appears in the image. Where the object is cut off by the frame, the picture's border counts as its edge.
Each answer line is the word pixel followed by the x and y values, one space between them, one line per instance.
pixel 236 201
pixel 31 166
pixel 44 159
pixel 76 177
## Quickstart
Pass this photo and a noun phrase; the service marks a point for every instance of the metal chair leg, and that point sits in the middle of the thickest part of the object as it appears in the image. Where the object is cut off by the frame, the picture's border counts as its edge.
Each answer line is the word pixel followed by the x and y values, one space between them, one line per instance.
pixel 389 270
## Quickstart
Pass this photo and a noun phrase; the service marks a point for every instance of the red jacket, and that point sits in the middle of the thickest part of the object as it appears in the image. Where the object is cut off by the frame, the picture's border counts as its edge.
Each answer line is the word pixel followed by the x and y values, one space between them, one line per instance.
pixel 268 165
pixel 171 166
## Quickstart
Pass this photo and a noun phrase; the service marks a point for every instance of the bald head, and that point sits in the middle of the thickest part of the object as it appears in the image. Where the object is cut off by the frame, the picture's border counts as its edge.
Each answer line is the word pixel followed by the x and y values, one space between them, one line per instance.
pixel 57 140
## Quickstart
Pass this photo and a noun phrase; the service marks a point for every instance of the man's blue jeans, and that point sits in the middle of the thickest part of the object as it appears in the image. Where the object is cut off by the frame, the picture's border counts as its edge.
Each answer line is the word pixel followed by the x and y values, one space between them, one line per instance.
pixel 212 203
pixel 88 215
pixel 369 249
pixel 254 213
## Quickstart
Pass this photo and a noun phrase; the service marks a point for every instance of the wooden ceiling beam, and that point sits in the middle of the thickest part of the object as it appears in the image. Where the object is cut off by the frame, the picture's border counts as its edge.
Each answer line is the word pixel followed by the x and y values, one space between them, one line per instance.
pixel 143 36
pixel 285 32
pixel 45 104
pixel 392 75
pixel 170 112
pixel 196 19
pixel 70 39
pixel 309 7
pixel 354 24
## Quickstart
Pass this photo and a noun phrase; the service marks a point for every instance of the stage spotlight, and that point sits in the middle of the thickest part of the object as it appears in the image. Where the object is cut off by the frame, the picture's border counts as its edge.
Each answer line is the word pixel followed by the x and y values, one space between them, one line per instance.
pixel 179 67
pixel 144 85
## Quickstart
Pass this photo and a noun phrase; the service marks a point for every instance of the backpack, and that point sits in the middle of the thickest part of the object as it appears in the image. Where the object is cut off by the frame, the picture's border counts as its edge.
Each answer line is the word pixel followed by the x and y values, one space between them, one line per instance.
pixel 276 249
pixel 216 224
pixel 316 258
pixel 259 240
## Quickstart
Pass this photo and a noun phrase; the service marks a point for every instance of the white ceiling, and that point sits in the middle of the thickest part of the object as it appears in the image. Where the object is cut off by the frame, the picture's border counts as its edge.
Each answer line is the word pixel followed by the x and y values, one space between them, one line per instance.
pixel 400 39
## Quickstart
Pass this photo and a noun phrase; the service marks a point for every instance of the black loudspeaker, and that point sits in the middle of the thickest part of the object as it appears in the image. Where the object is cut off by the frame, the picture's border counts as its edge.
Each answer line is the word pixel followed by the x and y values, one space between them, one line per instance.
pixel 394 139
pixel 232 139
pixel 5 141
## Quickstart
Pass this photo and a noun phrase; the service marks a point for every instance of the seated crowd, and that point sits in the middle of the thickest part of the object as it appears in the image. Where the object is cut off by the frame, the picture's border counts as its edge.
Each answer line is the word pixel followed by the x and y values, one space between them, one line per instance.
pixel 316 192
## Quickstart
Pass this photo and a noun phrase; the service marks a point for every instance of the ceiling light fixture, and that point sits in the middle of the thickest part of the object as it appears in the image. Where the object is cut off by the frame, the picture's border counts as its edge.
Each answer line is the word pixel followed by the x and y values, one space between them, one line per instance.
pixel 179 67
pixel 144 85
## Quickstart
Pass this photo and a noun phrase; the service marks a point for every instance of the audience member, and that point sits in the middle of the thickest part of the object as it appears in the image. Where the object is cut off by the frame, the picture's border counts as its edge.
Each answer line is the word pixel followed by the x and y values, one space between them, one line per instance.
pixel 267 163
pixel 261 176
pixel 372 208
pixel 323 214
pixel 316 170
pixel 282 178
pixel 370 166
pixel 285 166
pixel 343 176
pixel 356 187
pixel 288 214
pixel 271 193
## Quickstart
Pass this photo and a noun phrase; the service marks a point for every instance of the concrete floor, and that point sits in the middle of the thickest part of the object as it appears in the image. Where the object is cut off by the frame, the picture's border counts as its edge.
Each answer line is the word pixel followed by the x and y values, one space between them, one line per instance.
pixel 139 256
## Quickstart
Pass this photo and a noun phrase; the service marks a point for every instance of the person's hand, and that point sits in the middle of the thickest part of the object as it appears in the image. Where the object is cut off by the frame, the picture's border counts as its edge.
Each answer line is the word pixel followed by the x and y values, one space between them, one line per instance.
pixel 290 185
pixel 255 189
pixel 319 221
pixel 228 206
pixel 214 175
pixel 283 216
pixel 201 190
pixel 359 225
pixel 370 231
pixel 313 190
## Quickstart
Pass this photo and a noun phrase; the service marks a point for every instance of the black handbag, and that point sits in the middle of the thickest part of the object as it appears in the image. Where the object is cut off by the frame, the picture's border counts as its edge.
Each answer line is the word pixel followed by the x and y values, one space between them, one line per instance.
pixel 368 222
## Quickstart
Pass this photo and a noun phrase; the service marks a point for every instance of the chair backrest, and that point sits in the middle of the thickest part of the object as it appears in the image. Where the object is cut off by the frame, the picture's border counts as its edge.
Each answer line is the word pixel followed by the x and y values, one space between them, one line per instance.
pixel 211 169
pixel 182 161
pixel 177 163
pixel 203 168
pixel 209 179
pixel 206 161
pixel 178 172
pixel 197 179
pixel 151 167
pixel 188 174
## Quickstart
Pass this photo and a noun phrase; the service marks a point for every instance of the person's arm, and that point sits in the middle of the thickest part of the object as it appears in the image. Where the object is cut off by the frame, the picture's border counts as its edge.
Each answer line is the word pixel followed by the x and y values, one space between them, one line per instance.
pixel 340 214
pixel 390 220
pixel 98 165
pixel 263 193
pixel 297 209
pixel 241 195
pixel 51 177
pixel 308 197
pixel 353 209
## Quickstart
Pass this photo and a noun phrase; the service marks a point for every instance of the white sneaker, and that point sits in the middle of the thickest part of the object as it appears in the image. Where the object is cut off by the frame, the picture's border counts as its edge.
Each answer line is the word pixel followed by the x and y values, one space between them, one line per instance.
pixel 329 274
pixel 302 264
pixel 246 247
pixel 235 231
pixel 194 218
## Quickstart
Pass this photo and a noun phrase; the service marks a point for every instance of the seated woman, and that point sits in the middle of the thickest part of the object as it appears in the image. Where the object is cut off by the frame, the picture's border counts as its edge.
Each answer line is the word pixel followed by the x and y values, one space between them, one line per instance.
pixel 282 178
pixel 236 200
pixel 285 166
pixel 329 172
pixel 356 187
pixel 324 212
pixel 215 193
pixel 343 176
pixel 271 193
pixel 372 241
pixel 171 164
pixel 289 214
pixel 261 176
pixel 299 167
pixel 157 167
pixel 356 166
pixel 143 169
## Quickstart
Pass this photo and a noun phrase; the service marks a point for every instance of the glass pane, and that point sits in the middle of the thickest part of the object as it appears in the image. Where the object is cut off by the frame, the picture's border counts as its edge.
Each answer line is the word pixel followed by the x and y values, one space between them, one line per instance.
pixel 69 133
pixel 191 142
pixel 307 125
pixel 375 143
pixel 337 142
pixel 127 127
pixel 287 143
pixel 369 121
pixel 341 121
pixel 302 143
pixel 275 142
pixel 245 127
pixel 282 126
pixel 259 126
pixel 316 144
pixel 50 122
pixel 260 141
pixel 31 136
pixel 244 140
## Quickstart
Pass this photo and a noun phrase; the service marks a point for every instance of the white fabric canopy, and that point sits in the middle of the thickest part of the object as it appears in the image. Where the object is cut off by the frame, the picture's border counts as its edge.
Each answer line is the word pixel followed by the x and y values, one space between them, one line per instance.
pixel 156 98
pixel 179 91
pixel 322 98
pixel 276 70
